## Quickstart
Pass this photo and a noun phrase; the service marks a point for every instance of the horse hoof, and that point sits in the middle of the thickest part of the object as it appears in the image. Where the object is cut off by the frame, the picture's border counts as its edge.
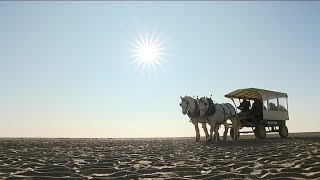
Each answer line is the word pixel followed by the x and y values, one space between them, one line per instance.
pixel 197 139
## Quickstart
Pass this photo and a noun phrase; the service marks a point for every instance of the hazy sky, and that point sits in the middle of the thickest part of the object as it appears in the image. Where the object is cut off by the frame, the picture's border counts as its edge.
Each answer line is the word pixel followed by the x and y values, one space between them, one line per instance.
pixel 66 70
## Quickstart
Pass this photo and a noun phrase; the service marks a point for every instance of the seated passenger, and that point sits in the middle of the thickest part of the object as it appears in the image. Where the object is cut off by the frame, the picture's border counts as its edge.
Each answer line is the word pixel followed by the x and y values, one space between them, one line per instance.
pixel 272 107
pixel 244 105
pixel 256 109
pixel 281 108
pixel 245 109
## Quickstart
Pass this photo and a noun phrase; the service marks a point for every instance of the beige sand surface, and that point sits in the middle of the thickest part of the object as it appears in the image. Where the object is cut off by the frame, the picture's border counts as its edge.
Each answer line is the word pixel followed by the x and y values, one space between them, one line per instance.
pixel 297 157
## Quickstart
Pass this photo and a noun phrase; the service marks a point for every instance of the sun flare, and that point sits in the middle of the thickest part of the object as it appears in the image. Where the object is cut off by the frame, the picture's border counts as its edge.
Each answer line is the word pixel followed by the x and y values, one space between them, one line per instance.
pixel 148 52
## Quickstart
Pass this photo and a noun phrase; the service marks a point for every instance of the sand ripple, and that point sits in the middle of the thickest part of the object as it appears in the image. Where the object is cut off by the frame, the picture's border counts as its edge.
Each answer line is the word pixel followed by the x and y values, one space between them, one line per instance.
pixel 297 157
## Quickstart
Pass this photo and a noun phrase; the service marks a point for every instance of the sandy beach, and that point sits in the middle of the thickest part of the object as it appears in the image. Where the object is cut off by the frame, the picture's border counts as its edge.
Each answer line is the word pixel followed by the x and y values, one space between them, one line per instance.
pixel 297 157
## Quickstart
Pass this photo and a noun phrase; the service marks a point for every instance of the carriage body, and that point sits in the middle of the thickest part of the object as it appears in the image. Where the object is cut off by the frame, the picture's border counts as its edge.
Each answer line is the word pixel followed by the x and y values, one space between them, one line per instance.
pixel 274 111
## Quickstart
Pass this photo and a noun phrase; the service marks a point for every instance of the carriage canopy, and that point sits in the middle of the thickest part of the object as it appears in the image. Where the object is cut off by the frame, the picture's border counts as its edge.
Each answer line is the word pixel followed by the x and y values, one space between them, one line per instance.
pixel 254 93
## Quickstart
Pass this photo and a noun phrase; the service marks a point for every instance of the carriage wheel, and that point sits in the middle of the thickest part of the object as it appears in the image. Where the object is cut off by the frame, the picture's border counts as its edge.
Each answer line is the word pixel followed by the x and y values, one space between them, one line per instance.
pixel 232 133
pixel 260 131
pixel 283 131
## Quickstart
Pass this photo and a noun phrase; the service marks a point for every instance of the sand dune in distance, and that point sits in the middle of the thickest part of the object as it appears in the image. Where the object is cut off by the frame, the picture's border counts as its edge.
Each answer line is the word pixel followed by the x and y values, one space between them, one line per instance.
pixel 297 157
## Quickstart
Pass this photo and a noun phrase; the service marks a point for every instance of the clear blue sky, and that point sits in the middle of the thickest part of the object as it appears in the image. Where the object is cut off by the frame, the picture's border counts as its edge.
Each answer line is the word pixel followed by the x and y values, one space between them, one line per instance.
pixel 65 69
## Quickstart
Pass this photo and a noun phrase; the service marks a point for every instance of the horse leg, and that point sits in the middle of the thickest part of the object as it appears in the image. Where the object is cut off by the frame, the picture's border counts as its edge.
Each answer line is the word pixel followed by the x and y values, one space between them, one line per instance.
pixel 236 126
pixel 226 128
pixel 216 132
pixel 211 130
pixel 204 126
pixel 214 136
pixel 237 119
pixel 196 127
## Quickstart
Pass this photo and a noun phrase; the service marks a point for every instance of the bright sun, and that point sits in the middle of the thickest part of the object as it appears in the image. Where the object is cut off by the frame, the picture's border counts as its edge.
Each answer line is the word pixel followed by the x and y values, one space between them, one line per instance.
pixel 148 52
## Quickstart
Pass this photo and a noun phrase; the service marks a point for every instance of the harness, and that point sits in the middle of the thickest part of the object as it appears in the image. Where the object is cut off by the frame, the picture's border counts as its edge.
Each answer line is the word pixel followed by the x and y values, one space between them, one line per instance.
pixel 211 110
pixel 224 113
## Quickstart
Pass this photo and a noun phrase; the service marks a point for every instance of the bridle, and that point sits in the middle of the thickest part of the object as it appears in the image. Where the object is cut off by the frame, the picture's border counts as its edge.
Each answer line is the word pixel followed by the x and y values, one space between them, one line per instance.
pixel 205 105
pixel 186 106
pixel 209 107
pixel 196 112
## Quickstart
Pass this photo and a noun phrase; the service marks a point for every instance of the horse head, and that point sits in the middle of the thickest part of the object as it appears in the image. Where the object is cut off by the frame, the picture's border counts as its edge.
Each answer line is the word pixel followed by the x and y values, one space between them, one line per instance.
pixel 206 106
pixel 189 106
pixel 203 105
pixel 184 104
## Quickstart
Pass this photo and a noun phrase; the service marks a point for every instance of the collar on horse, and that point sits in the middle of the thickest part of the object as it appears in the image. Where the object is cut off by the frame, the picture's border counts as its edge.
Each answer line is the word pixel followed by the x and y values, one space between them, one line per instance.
pixel 196 112
pixel 211 107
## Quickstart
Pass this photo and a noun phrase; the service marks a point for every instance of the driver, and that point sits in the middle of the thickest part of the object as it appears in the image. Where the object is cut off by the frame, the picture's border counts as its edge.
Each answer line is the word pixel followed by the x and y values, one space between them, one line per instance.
pixel 244 105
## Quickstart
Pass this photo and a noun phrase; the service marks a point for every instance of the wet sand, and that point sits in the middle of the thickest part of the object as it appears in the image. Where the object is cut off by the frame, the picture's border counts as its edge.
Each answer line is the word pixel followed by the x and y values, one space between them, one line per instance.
pixel 297 157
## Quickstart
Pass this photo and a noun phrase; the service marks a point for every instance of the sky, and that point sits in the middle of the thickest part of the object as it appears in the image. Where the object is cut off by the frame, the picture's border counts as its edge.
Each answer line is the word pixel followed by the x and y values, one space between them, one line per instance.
pixel 66 68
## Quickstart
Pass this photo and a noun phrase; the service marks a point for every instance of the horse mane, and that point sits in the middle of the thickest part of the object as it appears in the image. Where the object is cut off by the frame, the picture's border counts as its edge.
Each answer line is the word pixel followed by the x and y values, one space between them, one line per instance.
pixel 211 109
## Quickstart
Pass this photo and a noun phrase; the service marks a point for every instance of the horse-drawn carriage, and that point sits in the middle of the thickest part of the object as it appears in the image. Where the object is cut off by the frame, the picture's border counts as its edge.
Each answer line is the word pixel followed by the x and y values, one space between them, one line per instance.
pixel 271 111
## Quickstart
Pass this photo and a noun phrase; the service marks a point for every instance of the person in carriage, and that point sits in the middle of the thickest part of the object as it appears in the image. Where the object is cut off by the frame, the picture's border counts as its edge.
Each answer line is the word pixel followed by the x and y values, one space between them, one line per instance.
pixel 244 106
pixel 244 109
pixel 253 113
pixel 256 110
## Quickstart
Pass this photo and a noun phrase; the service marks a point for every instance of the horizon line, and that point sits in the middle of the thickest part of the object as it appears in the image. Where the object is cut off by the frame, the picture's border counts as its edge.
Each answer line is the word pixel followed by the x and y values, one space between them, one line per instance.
pixel 156 137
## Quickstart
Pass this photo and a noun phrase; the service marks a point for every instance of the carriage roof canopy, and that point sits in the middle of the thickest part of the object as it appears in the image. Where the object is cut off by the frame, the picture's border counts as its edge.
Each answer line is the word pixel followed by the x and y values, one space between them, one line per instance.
pixel 254 93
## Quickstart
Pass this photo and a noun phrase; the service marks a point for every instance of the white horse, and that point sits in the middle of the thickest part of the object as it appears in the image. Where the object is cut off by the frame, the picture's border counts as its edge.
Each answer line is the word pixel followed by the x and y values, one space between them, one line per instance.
pixel 190 107
pixel 219 114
